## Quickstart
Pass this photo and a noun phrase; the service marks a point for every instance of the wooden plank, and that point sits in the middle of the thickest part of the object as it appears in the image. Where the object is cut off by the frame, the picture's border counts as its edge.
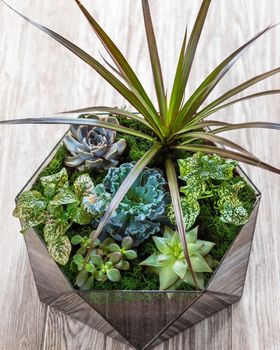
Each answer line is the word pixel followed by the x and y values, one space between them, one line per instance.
pixel 213 333
pixel 39 77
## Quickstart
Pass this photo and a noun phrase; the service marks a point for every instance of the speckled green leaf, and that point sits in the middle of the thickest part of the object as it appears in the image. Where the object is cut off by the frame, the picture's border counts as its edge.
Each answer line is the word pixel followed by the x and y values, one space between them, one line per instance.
pixel 189 167
pixel 190 208
pixel 60 179
pixel 233 212
pixel 31 209
pixel 64 196
pixel 230 206
pixel 60 250
pixel 81 216
pixel 194 187
pixel 203 167
pixel 49 190
pixel 54 211
pixel 53 230
pixel 83 185
pixel 219 168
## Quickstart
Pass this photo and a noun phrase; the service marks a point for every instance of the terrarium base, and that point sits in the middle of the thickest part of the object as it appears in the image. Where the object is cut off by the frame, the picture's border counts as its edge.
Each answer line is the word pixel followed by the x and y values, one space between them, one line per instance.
pixel 142 318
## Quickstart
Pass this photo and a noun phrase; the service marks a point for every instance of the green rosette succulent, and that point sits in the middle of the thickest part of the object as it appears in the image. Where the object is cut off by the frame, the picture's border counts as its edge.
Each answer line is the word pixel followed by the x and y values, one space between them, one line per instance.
pixel 170 263
pixel 57 208
pixel 106 260
pixel 139 213
pixel 210 176
pixel 93 148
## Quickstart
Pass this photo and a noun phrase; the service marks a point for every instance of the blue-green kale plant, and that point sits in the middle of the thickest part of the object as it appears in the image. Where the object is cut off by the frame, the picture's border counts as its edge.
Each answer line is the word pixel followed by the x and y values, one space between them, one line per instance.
pixel 140 212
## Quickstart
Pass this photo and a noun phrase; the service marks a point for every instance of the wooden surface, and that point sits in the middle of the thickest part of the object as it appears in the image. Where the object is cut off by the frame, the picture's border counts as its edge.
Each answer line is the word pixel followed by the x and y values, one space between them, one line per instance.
pixel 38 77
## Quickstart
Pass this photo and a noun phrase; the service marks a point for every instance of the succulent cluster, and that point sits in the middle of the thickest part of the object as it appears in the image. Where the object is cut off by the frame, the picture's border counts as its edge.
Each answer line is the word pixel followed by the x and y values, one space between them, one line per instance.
pixel 210 176
pixel 140 212
pixel 170 264
pixel 106 260
pixel 94 148
pixel 57 208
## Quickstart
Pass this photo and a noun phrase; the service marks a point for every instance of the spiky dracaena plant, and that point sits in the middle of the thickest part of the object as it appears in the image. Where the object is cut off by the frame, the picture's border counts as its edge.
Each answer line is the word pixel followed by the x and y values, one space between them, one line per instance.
pixel 178 121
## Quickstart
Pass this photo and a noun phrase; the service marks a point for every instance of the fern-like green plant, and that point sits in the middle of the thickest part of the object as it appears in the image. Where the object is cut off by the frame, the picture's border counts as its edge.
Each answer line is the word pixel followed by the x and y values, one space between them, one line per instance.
pixel 175 121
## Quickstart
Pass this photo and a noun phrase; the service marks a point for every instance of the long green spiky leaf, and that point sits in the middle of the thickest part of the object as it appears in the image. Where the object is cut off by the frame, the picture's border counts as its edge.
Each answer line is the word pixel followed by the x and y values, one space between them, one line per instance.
pixel 78 121
pixel 217 139
pixel 122 64
pixel 239 89
pixel 249 125
pixel 213 79
pixel 199 125
pixel 177 96
pixel 122 191
pixel 176 203
pixel 206 113
pixel 229 154
pixel 99 68
pixel 113 110
pixel 177 79
pixel 154 57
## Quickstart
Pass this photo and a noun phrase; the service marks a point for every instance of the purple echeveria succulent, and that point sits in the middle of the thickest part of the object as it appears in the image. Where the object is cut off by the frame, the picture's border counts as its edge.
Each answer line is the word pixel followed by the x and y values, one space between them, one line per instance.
pixel 93 148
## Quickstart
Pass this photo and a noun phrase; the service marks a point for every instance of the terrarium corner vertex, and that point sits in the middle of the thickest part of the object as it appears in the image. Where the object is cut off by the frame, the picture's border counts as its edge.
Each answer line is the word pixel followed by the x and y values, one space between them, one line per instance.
pixel 147 201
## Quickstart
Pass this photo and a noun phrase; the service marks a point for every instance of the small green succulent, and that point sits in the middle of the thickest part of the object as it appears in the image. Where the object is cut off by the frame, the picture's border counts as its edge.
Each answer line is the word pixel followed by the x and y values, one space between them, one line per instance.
pixel 105 262
pixel 170 263
pixel 210 176
pixel 139 213
pixel 57 208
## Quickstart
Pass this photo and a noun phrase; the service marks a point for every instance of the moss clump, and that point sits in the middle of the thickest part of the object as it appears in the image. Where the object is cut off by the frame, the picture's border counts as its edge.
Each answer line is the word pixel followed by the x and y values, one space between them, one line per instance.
pixel 53 167
pixel 136 146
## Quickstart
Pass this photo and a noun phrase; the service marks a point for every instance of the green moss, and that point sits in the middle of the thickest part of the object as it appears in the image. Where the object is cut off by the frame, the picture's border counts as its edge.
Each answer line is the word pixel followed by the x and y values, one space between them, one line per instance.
pixel 136 146
pixel 53 167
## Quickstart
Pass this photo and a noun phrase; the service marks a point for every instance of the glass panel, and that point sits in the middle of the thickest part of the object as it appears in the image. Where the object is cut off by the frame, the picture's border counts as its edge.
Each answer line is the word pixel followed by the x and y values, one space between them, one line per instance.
pixel 230 275
pixel 139 315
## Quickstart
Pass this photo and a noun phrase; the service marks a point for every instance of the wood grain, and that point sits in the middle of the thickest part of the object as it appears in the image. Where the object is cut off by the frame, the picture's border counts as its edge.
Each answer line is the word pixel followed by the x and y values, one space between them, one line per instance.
pixel 38 78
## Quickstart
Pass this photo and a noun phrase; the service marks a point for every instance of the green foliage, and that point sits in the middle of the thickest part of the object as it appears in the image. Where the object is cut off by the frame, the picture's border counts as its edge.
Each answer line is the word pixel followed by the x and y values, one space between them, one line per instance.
pixel 57 208
pixel 135 146
pixel 54 166
pixel 170 264
pixel 31 209
pixel 210 176
pixel 139 212
pixel 105 262
pixel 212 228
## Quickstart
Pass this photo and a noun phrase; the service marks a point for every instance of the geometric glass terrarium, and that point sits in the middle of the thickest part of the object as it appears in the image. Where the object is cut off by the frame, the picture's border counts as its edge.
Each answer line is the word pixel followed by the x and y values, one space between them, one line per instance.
pixel 142 318
pixel 136 203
